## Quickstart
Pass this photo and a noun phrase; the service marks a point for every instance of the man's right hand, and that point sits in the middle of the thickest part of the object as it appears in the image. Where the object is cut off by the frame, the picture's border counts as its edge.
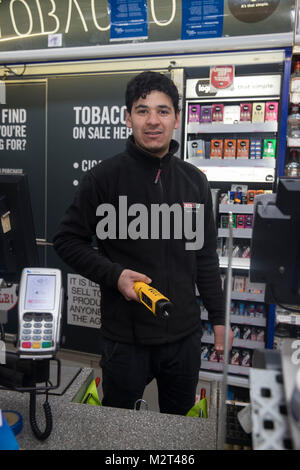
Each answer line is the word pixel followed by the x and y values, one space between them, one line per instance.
pixel 127 280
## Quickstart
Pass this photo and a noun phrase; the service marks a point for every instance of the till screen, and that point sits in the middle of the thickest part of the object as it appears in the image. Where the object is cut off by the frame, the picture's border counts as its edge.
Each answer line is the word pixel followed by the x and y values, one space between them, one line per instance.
pixel 40 292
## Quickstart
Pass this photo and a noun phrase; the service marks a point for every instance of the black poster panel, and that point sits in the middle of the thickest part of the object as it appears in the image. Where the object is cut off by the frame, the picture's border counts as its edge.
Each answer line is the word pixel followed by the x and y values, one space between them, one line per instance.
pixel 22 140
pixel 23 148
pixel 86 124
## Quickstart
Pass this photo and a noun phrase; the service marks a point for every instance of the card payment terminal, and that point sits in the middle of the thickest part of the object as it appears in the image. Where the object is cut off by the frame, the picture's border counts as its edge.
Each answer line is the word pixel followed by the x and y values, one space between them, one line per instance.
pixel 40 309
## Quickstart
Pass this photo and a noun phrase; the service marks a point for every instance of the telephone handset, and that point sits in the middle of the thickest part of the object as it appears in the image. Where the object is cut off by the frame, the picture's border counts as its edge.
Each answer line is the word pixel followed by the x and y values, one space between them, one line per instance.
pixel 40 309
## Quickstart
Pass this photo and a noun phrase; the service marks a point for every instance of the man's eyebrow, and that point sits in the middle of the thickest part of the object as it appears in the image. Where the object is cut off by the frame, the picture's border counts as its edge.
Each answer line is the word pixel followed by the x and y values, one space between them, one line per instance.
pixel 160 106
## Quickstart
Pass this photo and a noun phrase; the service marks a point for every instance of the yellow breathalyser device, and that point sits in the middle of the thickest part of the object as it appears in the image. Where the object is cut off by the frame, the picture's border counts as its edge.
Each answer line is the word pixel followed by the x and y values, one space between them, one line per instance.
pixel 159 305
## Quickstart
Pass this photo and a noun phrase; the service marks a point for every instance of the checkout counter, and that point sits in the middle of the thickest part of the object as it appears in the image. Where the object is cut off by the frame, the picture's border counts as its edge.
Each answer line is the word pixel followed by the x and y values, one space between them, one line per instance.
pixel 78 426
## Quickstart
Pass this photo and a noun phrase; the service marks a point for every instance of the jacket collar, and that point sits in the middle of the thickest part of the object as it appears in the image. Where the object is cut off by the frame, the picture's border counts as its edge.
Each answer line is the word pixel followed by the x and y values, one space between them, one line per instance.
pixel 148 158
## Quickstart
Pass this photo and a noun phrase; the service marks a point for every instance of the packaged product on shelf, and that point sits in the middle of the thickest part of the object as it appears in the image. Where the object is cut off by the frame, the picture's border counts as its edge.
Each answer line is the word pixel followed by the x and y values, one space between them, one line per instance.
pixel 241 308
pixel 216 148
pixel 260 311
pixel 250 196
pixel 224 221
pixel 236 331
pixel 258 112
pixel 238 197
pixel 244 197
pixel 246 358
pixel 246 332
pixel 246 251
pixel 260 334
pixel 255 148
pixel 239 187
pixel 248 220
pixel 269 148
pixel 231 114
pixel 245 112
pixel 250 310
pixel 217 112
pixel 231 195
pixel 205 352
pixel 239 283
pixel 271 111
pixel 236 251
pixel 253 334
pixel 242 148
pixel 240 221
pixel 233 220
pixel 232 308
pixel 207 328
pixel 196 148
pixel 205 114
pixel 194 113
pixel 224 198
pixel 214 357
pixel 229 148
pixel 235 357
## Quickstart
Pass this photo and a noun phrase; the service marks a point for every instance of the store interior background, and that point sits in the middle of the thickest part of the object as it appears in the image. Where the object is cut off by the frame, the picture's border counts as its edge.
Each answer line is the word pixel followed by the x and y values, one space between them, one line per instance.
pixel 63 89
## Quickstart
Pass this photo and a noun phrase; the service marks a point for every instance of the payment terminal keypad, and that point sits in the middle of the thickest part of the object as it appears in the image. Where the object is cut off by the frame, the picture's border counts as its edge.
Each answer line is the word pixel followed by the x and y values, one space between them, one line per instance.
pixel 37 331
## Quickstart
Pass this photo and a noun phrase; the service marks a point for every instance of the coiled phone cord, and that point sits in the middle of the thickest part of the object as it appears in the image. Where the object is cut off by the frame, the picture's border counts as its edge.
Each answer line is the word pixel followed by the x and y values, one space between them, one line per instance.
pixel 32 415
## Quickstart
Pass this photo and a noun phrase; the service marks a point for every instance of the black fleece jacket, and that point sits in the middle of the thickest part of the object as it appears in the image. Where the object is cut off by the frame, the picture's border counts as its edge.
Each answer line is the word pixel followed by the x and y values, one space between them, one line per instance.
pixel 174 270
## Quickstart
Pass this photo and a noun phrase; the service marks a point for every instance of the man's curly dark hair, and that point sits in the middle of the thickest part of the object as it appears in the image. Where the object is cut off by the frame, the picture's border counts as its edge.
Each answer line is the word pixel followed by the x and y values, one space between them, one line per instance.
pixel 142 84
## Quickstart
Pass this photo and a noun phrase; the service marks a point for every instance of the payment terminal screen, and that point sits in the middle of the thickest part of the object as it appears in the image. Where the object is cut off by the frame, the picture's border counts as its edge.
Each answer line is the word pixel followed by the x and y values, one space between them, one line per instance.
pixel 40 292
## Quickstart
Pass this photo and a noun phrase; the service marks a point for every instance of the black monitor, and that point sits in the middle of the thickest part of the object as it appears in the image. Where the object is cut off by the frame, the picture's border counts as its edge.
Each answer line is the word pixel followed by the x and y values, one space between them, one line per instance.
pixel 18 247
pixel 275 245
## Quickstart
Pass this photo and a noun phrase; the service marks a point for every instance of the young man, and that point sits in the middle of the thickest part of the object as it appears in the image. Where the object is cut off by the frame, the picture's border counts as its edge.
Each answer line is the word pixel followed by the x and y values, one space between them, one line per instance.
pixel 135 345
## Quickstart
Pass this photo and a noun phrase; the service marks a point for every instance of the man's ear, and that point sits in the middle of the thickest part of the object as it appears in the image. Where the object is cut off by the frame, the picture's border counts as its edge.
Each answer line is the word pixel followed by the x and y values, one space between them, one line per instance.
pixel 128 119
pixel 177 120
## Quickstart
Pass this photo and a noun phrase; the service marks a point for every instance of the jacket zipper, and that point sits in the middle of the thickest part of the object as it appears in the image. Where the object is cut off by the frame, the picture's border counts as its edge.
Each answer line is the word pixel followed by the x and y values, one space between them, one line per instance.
pixel 165 251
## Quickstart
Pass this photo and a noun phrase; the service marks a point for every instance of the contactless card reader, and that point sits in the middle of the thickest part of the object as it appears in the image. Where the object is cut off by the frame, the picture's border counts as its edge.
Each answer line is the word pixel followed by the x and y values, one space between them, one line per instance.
pixel 40 308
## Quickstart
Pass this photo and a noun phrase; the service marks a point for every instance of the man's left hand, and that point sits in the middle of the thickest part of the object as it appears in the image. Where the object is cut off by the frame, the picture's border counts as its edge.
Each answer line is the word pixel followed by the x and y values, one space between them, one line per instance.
pixel 219 333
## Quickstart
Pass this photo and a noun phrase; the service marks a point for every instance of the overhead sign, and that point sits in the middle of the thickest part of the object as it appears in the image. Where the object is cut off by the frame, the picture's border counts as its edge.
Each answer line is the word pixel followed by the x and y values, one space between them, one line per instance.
pixel 260 85
pixel 42 24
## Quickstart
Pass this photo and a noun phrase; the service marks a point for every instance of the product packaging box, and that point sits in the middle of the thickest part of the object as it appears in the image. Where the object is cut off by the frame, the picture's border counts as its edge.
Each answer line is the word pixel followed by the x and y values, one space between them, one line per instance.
pixel 255 148
pixel 250 196
pixel 242 150
pixel 239 283
pixel 246 359
pixel 235 357
pixel 240 221
pixel 231 114
pixel 206 114
pixel 269 148
pixel 216 148
pixel 248 222
pixel 217 112
pixel 271 111
pixel 258 112
pixel 194 113
pixel 229 148
pixel 224 221
pixel 245 112
pixel 196 148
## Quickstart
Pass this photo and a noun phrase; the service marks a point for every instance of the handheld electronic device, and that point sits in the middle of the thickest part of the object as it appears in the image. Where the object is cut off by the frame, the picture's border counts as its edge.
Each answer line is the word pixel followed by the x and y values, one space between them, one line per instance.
pixel 159 305
pixel 40 308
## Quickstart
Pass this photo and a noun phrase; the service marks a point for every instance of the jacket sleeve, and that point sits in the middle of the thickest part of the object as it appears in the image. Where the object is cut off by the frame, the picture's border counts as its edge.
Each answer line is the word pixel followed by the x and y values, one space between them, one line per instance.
pixel 208 272
pixel 73 241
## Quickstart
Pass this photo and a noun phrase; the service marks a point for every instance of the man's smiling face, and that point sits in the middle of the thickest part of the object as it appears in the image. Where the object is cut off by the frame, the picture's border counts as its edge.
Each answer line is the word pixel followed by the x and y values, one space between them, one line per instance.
pixel 153 121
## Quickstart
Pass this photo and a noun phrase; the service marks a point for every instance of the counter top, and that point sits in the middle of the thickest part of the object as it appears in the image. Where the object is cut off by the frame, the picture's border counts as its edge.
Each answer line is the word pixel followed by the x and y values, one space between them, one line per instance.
pixel 88 427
